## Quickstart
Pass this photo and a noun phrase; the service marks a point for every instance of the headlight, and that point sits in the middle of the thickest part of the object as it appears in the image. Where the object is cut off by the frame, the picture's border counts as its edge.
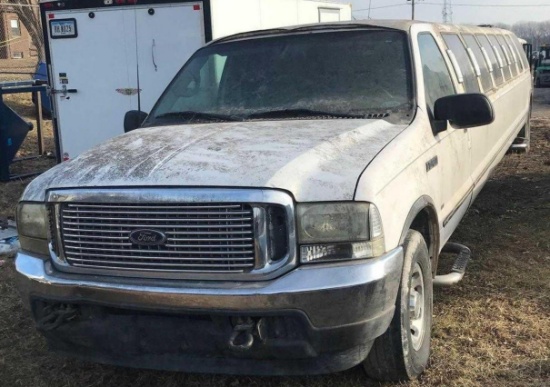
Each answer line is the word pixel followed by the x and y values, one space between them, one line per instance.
pixel 32 226
pixel 339 231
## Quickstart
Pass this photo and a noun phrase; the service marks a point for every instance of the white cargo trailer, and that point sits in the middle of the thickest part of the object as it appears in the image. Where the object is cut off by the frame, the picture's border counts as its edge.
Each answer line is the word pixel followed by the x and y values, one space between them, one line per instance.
pixel 106 57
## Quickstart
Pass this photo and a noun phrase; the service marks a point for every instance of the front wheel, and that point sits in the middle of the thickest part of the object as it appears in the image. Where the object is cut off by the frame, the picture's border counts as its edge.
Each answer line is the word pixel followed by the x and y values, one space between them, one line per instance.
pixel 403 351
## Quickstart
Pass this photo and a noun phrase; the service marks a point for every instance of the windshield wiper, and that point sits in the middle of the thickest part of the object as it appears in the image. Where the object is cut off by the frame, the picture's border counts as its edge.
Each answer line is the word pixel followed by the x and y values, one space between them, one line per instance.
pixel 291 113
pixel 198 116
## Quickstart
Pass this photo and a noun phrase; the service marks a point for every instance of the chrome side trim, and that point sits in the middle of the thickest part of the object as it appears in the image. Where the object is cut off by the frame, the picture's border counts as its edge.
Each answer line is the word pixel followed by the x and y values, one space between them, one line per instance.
pixel 259 199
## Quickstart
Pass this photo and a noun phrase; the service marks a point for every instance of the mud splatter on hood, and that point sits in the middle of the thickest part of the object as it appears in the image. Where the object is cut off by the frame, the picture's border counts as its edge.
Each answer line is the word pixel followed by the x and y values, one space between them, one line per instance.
pixel 315 160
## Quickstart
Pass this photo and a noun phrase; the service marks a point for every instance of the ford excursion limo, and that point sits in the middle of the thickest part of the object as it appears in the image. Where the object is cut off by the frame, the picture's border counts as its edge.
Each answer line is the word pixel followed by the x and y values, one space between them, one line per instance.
pixel 282 208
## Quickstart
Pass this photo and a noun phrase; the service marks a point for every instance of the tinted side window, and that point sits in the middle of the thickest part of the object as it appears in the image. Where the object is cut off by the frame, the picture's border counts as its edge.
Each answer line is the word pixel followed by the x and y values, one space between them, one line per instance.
pixel 437 80
pixel 509 56
pixel 466 67
pixel 488 49
pixel 502 57
pixel 485 75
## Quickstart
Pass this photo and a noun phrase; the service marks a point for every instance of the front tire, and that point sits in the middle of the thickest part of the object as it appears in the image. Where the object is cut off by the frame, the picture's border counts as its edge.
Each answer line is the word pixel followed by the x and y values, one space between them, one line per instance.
pixel 403 351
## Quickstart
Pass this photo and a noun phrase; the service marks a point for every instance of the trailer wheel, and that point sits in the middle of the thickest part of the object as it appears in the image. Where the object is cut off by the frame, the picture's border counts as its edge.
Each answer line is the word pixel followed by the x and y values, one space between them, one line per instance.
pixel 403 351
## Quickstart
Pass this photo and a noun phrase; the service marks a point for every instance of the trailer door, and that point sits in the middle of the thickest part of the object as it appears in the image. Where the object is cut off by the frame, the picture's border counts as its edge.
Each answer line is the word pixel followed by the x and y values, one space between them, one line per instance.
pixel 94 57
pixel 167 35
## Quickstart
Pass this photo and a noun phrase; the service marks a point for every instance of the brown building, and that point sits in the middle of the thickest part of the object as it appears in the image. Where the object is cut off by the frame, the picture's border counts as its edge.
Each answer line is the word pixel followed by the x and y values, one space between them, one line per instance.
pixel 16 47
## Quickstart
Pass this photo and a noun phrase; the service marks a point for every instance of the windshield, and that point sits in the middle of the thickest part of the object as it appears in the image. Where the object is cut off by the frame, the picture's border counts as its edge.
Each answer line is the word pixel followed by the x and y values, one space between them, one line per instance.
pixel 352 74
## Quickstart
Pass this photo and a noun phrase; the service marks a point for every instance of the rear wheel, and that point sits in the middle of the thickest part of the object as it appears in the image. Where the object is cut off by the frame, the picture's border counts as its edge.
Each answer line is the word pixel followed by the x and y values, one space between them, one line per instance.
pixel 403 351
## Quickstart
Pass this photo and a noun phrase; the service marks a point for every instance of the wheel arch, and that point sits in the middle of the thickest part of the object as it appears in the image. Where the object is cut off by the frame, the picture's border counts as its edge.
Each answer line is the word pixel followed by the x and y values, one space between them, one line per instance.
pixel 423 218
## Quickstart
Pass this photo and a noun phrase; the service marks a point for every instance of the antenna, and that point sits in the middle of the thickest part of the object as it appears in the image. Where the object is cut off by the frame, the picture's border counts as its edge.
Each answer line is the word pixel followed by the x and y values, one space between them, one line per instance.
pixel 447 11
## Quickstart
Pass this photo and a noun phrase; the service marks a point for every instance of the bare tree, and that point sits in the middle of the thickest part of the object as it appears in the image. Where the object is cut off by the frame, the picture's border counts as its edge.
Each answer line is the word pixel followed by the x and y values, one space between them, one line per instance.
pixel 29 14
pixel 536 33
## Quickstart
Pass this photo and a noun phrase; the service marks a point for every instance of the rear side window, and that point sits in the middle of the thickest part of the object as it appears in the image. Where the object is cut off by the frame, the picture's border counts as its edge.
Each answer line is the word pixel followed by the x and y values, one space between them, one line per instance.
pixel 475 50
pixel 509 55
pixel 462 60
pixel 437 80
pixel 515 52
pixel 521 50
pixel 488 51
pixel 501 56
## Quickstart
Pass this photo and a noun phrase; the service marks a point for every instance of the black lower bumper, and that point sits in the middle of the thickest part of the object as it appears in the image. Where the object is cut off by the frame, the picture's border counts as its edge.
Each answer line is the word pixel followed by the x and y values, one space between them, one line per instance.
pixel 315 319
pixel 285 344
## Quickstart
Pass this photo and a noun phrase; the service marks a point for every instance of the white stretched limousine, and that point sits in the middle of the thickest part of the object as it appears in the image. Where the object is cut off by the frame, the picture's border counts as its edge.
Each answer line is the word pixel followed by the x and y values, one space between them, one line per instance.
pixel 282 208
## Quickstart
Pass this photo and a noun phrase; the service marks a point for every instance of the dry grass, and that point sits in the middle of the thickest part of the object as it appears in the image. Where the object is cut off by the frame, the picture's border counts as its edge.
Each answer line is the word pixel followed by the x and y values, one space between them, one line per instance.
pixel 493 329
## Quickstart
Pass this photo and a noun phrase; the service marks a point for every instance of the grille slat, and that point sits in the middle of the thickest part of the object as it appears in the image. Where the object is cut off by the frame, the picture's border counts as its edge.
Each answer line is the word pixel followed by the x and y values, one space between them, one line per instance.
pixel 88 212
pixel 99 218
pixel 162 261
pixel 125 268
pixel 101 237
pixel 164 251
pixel 164 207
pixel 199 237
pixel 168 232
pixel 114 244
pixel 152 225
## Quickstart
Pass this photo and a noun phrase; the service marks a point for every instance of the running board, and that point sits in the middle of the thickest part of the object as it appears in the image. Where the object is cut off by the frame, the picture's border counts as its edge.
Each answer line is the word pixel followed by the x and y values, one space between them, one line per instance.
pixel 463 255
pixel 520 145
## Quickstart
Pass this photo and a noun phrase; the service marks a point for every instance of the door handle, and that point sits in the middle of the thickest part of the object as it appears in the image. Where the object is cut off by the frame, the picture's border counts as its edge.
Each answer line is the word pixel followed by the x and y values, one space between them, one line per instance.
pixel 63 91
pixel 153 54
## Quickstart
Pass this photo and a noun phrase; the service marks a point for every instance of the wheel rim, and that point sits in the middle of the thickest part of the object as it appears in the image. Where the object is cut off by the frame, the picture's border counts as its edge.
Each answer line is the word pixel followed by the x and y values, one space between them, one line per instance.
pixel 417 312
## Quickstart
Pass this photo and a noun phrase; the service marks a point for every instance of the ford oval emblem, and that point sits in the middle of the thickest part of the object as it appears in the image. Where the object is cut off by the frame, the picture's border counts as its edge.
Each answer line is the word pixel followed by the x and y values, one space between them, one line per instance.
pixel 147 237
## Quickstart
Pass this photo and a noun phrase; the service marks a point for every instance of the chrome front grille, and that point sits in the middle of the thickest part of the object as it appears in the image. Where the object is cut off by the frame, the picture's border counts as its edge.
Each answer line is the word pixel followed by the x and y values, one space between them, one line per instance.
pixel 200 237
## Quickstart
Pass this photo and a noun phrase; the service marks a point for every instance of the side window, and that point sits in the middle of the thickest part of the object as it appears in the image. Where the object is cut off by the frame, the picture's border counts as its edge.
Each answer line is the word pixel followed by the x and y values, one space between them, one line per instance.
pixel 509 56
pixel 475 50
pixel 462 61
pixel 500 56
pixel 515 52
pixel 437 80
pixel 521 51
pixel 488 51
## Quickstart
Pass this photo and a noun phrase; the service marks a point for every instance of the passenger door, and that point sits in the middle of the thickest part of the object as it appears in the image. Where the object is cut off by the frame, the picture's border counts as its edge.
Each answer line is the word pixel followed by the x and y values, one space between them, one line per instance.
pixel 467 64
pixel 480 136
pixel 448 162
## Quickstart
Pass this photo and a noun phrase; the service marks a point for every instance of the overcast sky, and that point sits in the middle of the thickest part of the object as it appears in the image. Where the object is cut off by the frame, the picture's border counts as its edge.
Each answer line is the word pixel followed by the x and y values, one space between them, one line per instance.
pixel 464 11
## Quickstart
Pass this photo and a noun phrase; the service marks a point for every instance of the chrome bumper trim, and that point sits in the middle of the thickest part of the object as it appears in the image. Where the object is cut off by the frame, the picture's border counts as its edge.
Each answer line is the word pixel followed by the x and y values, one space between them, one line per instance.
pixel 329 294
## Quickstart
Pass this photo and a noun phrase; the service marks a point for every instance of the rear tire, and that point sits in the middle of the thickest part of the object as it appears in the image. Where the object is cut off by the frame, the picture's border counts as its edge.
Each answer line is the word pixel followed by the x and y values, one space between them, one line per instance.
pixel 403 351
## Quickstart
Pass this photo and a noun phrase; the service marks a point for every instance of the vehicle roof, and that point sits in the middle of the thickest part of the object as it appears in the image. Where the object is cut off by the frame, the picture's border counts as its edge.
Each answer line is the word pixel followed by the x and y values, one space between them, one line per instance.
pixel 402 25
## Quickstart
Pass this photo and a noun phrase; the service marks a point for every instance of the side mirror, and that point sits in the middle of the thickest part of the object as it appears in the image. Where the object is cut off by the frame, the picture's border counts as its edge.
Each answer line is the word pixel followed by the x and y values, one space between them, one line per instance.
pixel 464 110
pixel 133 120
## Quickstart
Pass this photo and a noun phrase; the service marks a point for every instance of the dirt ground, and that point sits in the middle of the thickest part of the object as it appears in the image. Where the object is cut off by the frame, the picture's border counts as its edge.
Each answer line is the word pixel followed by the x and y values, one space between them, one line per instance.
pixel 493 329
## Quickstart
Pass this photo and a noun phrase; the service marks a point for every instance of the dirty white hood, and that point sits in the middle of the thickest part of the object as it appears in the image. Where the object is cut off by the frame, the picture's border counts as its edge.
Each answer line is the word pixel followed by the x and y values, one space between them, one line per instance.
pixel 315 160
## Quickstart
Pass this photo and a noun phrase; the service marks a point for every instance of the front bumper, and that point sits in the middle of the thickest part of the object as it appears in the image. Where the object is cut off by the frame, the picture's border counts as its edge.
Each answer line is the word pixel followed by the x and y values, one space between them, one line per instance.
pixel 329 315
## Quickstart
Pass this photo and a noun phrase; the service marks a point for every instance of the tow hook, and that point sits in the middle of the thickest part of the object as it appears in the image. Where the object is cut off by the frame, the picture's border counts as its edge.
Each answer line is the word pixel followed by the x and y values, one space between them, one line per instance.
pixel 54 315
pixel 242 337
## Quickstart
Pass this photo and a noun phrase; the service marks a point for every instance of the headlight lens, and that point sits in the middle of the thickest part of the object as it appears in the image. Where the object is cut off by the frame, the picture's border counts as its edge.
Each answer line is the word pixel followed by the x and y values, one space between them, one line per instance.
pixel 32 226
pixel 333 222
pixel 339 231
